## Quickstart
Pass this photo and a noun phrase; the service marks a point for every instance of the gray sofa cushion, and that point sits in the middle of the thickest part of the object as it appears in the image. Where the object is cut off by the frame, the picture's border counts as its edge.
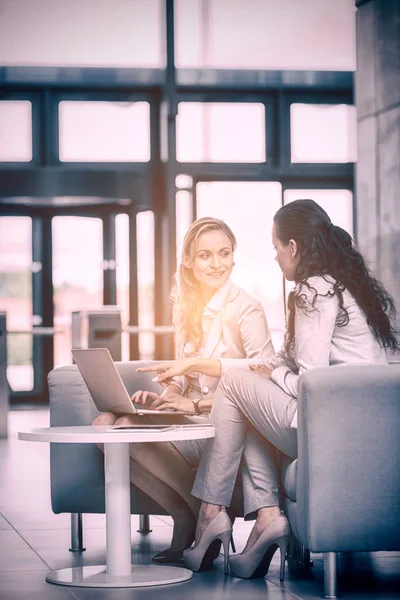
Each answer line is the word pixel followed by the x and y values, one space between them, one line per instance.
pixel 76 470
pixel 348 475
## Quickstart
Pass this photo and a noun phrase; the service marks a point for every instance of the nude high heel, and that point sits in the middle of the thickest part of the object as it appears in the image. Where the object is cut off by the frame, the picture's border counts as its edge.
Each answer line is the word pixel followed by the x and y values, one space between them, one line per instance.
pixel 201 557
pixel 255 561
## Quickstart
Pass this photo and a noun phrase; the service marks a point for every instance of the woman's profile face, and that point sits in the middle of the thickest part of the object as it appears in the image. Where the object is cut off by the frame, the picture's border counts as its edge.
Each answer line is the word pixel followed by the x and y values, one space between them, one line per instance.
pixel 287 255
pixel 213 260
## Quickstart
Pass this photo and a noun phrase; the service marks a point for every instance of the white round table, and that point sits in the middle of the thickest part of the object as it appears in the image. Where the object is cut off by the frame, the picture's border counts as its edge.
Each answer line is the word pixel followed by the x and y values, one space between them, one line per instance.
pixel 118 571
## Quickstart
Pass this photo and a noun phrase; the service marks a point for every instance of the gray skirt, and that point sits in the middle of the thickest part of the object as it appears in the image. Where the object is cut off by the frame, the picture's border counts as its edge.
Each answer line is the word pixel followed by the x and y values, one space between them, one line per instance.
pixel 191 450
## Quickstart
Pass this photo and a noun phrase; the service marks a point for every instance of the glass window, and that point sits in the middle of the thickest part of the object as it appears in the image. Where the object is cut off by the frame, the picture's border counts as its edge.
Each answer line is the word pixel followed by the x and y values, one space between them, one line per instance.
pixel 255 267
pixel 184 217
pixel 323 133
pixel 122 274
pixel 15 131
pixel 220 132
pixel 145 258
pixel 82 33
pixel 77 275
pixel 183 182
pixel 266 34
pixel 104 131
pixel 16 298
pixel 337 203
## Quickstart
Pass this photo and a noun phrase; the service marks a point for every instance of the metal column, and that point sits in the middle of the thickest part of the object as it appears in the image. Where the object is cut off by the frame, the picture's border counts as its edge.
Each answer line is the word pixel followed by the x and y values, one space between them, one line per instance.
pixel 3 375
pixel 76 533
pixel 166 216
pixel 330 575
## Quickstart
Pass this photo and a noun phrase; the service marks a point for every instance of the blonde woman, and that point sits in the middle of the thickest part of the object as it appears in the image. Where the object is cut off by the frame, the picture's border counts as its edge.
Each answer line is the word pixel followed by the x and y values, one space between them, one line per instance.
pixel 214 319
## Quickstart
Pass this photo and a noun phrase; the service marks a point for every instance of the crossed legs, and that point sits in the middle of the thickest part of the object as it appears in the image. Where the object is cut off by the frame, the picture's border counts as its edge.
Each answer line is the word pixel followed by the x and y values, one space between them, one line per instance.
pixel 252 416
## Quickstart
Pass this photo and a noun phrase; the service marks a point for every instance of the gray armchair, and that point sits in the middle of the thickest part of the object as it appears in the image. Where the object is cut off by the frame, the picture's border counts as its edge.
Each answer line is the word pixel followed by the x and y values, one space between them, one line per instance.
pixel 341 493
pixel 76 470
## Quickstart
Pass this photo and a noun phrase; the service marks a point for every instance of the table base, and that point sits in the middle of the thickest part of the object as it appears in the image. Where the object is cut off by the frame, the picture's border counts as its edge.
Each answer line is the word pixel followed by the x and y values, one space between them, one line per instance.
pixel 96 576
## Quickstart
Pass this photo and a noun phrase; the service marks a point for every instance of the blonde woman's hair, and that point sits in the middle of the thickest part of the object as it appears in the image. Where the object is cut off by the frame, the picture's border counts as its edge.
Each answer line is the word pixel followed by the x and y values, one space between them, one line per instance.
pixel 188 306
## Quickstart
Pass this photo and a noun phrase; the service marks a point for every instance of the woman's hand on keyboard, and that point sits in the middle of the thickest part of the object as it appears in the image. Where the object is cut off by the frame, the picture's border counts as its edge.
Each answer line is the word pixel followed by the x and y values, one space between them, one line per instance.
pixel 174 402
pixel 141 397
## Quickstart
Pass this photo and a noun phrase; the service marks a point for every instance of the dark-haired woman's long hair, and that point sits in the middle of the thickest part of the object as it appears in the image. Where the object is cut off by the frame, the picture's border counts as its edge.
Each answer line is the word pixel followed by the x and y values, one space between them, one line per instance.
pixel 328 250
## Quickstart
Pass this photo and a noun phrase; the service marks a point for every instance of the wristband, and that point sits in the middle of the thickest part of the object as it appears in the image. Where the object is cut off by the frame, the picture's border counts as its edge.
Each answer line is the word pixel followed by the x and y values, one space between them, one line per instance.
pixel 196 402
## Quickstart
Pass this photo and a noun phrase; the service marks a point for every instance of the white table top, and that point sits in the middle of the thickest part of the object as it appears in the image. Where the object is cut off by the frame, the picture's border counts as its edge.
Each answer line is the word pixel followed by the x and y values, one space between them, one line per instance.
pixel 96 434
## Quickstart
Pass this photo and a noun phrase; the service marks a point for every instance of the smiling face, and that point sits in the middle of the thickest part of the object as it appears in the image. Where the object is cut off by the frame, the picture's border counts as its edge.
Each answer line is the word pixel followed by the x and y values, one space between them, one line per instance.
pixel 213 261
pixel 287 255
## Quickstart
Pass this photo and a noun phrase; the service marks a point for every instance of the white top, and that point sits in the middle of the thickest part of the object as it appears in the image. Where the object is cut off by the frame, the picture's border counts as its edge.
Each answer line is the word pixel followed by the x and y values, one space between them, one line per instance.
pixel 320 341
pixel 235 326
pixel 102 434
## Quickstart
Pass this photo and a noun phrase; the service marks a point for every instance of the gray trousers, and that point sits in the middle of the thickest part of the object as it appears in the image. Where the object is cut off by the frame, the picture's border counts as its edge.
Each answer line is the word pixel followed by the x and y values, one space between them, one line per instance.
pixel 252 417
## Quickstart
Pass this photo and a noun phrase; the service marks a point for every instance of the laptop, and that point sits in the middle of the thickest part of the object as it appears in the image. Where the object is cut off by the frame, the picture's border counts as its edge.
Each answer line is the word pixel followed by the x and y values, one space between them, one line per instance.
pixel 108 390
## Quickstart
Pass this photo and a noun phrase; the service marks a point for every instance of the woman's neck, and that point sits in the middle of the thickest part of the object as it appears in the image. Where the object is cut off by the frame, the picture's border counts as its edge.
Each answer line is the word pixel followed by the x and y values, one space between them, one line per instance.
pixel 206 295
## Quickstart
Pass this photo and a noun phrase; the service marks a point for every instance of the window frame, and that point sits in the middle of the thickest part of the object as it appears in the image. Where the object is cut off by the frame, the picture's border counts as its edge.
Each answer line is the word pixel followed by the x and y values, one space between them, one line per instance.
pixel 145 185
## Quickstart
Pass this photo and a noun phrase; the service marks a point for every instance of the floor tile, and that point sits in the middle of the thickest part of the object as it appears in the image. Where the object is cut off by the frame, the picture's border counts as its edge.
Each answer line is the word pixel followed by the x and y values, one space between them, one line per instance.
pixel 166 519
pixel 4 524
pixel 32 585
pixel 35 518
pixel 17 555
pixel 39 516
pixel 33 540
pixel 213 585
pixel 53 547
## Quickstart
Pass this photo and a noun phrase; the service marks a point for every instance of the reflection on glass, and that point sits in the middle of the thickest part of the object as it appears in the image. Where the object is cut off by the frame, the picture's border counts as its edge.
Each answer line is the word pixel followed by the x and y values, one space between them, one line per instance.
pixel 266 34
pixel 16 297
pixel 337 203
pixel 323 133
pixel 122 274
pixel 77 275
pixel 84 33
pixel 183 182
pixel 220 132
pixel 15 131
pixel 104 131
pixel 145 258
pixel 248 208
pixel 184 217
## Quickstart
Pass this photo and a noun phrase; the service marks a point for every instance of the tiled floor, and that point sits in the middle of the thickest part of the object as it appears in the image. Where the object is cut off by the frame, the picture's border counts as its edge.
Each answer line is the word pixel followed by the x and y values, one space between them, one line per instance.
pixel 33 541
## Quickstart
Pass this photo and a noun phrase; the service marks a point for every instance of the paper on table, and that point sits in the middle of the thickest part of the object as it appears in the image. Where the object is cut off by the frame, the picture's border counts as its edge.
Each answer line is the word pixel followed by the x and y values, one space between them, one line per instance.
pixel 141 427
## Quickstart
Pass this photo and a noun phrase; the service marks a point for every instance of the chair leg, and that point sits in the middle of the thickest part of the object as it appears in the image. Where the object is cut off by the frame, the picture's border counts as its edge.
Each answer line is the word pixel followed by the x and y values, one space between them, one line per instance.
pixel 303 557
pixel 330 575
pixel 299 553
pixel 76 533
pixel 144 524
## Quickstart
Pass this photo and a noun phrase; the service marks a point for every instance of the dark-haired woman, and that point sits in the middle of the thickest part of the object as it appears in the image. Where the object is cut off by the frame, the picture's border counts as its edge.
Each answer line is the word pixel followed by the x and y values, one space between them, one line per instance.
pixel 338 314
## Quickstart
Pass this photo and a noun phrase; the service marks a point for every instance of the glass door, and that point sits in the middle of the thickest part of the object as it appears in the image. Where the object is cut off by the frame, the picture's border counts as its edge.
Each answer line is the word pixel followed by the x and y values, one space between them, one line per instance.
pixel 16 268
pixel 77 275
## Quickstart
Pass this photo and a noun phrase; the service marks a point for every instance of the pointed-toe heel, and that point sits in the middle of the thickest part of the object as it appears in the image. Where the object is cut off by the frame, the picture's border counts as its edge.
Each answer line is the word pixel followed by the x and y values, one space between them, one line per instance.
pixel 202 555
pixel 168 556
pixel 255 562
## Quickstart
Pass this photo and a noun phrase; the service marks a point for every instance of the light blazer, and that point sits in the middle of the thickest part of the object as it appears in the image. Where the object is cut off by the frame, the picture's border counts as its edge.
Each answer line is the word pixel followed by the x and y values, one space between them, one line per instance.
pixel 239 330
